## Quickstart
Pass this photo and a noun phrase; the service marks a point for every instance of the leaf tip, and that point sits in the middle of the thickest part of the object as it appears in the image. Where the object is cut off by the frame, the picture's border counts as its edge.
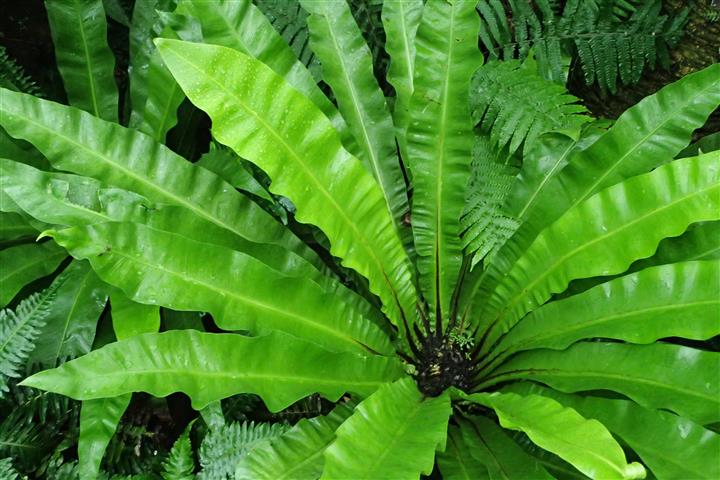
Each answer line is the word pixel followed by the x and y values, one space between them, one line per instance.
pixel 634 470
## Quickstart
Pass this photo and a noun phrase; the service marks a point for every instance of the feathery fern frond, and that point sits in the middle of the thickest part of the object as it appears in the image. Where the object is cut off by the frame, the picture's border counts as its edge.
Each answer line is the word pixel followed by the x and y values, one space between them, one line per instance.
pixel 613 39
pixel 223 447
pixel 7 471
pixel 38 426
pixel 484 226
pixel 515 104
pixel 18 331
pixel 13 76
pixel 179 464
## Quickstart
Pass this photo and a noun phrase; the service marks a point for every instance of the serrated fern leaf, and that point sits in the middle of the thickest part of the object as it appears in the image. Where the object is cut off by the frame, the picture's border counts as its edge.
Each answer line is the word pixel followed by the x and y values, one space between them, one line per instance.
pixel 613 39
pixel 514 104
pixel 484 225
pixel 18 331
pixel 13 77
pixel 180 464
pixel 7 471
pixel 223 447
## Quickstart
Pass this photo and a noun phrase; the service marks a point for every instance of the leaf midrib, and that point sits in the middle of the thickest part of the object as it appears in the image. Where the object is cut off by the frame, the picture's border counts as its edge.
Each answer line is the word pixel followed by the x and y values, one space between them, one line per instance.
pixel 174 199
pixel 595 240
pixel 585 374
pixel 308 173
pixel 246 300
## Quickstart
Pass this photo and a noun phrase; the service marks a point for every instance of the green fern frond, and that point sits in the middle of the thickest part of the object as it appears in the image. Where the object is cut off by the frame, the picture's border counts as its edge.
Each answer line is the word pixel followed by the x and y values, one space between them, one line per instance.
pixel 484 225
pixel 613 39
pixel 7 471
pixel 13 77
pixel 18 331
pixel 223 447
pixel 515 104
pixel 179 464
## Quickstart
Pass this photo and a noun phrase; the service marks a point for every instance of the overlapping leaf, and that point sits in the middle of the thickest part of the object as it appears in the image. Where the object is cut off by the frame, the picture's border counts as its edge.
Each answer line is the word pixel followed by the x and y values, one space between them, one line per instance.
pixel 273 125
pixel 681 379
pixel 439 141
pixel 603 235
pixel 392 434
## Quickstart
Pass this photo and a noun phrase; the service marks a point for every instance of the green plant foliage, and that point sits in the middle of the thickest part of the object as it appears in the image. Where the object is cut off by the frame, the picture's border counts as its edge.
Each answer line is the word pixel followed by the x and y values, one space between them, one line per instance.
pixel 610 45
pixel 277 381
pixel 290 20
pixel 19 330
pixel 226 445
pixel 13 77
pixel 180 464
pixel 84 58
pixel 439 143
pixel 515 105
pixel 7 471
pixel 23 264
pixel 393 433
pixel 346 338
pixel 485 226
pixel 295 453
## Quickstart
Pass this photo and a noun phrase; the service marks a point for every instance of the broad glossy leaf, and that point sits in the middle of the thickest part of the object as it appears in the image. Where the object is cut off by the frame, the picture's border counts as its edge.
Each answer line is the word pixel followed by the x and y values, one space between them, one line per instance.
pixel 209 366
pixel 297 453
pixel 675 300
pixel 70 327
pixel 22 264
pixel 347 66
pixel 268 122
pixel 681 379
pixel 144 17
pixel 240 25
pixel 503 458
pixel 64 199
pixel 160 268
pixel 99 418
pixel 603 235
pixel 392 434
pixel 163 95
pixel 584 443
pixel 647 135
pixel 80 143
pixel 401 20
pixel 13 227
pixel 131 318
pixel 73 200
pixel 542 160
pixel 84 58
pixel 440 141
pixel 671 446
pixel 457 462
pixel 228 166
pixel 21 151
pixel 644 137
pixel 699 242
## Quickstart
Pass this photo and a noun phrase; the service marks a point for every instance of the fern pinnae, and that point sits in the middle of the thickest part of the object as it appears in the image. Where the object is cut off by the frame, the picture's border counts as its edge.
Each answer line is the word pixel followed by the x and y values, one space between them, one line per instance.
pixel 180 465
pixel 500 105
pixel 18 331
pixel 225 445
pixel 13 76
pixel 612 39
